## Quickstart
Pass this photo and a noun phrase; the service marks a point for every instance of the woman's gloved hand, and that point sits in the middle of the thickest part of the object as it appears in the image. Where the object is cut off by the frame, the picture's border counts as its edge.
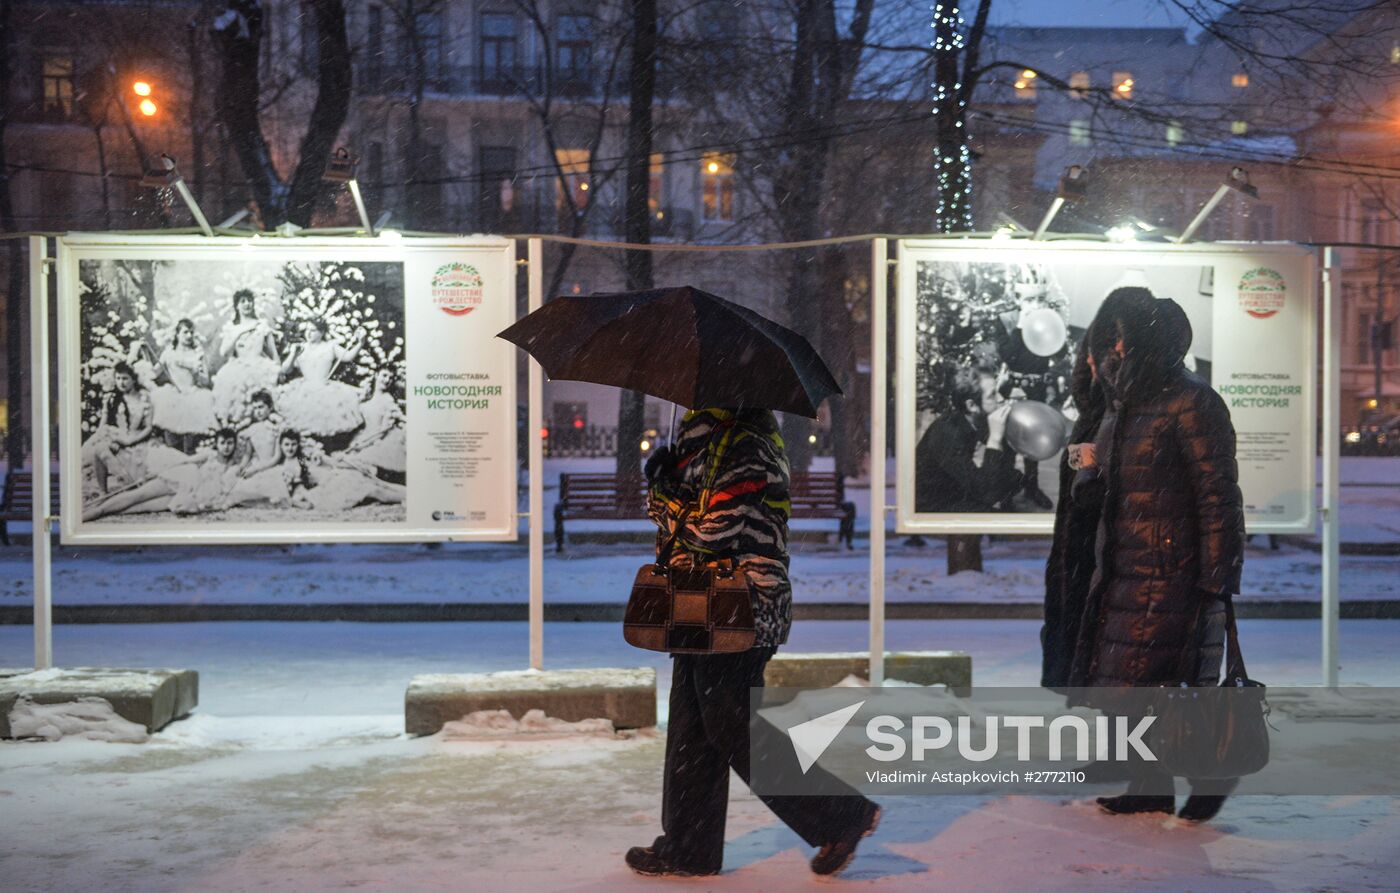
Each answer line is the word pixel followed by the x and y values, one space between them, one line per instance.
pixel 661 465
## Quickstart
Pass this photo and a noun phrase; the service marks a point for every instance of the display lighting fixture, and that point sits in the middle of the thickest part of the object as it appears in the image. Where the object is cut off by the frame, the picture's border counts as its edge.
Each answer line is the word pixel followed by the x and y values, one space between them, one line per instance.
pixel 167 176
pixel 1236 181
pixel 1123 232
pixel 340 168
pixel 1073 186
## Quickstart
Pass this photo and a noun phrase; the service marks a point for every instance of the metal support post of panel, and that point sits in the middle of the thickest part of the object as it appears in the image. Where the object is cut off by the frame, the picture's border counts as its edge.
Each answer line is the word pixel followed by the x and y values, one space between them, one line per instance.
pixel 1331 463
pixel 39 448
pixel 879 277
pixel 535 464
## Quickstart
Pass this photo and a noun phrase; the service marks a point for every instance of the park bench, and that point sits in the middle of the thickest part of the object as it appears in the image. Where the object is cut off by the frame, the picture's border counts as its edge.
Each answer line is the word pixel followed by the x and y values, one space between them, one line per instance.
pixel 18 501
pixel 599 497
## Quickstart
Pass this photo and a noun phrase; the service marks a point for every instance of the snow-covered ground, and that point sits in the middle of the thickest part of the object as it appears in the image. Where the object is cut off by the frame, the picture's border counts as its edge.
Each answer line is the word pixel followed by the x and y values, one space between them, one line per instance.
pixel 588 572
pixel 293 775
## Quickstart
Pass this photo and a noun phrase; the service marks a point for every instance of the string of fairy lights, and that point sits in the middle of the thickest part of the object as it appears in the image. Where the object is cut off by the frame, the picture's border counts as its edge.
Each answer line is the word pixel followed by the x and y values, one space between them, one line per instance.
pixel 953 172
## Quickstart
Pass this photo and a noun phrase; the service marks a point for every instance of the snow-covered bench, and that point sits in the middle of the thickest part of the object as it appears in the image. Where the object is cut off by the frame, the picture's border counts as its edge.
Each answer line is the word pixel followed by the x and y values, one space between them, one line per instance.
pixel 814 494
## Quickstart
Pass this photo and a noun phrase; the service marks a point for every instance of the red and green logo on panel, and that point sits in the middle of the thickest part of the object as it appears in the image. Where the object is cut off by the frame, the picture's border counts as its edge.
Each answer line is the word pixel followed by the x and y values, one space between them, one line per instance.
pixel 1262 292
pixel 457 289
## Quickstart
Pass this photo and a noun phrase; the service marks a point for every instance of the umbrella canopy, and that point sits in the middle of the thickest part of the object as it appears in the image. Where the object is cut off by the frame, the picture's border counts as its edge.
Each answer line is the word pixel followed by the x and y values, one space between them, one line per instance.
pixel 680 344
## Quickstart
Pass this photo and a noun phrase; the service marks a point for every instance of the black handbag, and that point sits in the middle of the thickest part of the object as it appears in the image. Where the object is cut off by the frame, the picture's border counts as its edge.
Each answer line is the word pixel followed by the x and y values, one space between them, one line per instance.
pixel 695 610
pixel 1213 733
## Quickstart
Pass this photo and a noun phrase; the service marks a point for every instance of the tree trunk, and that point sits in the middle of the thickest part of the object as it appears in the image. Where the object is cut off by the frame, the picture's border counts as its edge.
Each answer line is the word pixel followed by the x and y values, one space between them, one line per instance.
pixel 631 407
pixel 964 553
pixel 237 34
pixel 15 426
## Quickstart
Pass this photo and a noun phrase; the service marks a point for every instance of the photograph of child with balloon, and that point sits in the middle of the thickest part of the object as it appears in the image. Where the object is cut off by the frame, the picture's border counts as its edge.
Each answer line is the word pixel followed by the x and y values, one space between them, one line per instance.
pixel 995 347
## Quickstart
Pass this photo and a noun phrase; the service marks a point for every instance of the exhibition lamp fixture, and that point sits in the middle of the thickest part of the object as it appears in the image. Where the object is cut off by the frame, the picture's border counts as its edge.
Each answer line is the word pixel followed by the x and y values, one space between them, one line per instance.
pixel 167 175
pixel 1073 186
pixel 1236 181
pixel 341 169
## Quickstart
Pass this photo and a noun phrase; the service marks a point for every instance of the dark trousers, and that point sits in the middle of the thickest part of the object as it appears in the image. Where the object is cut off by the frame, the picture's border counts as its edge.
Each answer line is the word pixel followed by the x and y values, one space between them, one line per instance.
pixel 707 736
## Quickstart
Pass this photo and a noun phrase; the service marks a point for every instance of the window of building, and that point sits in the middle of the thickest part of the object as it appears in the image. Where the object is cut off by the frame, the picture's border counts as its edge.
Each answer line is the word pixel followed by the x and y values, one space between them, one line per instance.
pixel 374 163
pixel 1080 132
pixel 1240 79
pixel 1239 128
pixel 57 72
pixel 1079 84
pixel 425 34
pixel 574 47
pixel 1363 338
pixel 717 186
pixel 374 48
pixel 1123 84
pixel 573 164
pixel 1175 133
pixel 1259 222
pixel 1372 221
pixel 497 199
pixel 499 35
pixel 1025 84
pixel 720 28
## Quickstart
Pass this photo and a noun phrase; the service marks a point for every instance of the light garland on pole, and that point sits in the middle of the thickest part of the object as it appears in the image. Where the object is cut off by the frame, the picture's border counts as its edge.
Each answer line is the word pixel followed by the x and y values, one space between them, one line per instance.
pixel 953 173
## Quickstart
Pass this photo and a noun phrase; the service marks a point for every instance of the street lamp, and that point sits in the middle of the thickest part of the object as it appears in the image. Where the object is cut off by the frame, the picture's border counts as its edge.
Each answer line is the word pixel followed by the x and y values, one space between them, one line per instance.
pixel 146 106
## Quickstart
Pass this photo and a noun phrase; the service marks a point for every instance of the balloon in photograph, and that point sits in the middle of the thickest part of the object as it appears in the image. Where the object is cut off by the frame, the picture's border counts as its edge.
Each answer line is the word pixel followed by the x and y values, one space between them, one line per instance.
pixel 1044 332
pixel 1036 430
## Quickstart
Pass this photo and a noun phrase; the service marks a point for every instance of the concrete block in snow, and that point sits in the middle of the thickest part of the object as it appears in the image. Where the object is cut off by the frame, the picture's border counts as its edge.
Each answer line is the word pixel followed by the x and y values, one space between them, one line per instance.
pixel 625 696
pixel 151 698
pixel 950 668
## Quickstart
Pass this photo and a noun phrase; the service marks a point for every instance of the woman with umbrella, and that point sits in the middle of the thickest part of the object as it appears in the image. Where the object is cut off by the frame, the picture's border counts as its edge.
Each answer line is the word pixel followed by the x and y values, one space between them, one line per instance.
pixel 719 494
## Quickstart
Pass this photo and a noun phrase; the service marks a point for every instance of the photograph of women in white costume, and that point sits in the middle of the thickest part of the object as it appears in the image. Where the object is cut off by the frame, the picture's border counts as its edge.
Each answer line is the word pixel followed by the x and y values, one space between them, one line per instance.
pixel 250 362
pixel 183 402
pixel 301 361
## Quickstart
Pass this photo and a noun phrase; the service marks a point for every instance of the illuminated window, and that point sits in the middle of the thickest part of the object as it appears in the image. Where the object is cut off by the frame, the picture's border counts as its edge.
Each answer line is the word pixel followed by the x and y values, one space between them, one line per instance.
pixel 656 185
pixel 58 86
pixel 1175 133
pixel 717 186
pixel 1025 84
pixel 573 164
pixel 1080 132
pixel 1123 84
pixel 1239 128
pixel 1079 84
pixel 1240 79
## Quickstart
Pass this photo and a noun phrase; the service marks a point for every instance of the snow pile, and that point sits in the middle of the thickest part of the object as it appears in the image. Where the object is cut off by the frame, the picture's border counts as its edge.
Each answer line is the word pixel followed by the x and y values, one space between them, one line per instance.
pixel 89 719
pixel 501 724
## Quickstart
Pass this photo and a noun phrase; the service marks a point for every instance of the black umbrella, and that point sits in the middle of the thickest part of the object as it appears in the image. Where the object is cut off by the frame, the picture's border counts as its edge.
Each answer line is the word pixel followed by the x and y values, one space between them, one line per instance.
pixel 680 344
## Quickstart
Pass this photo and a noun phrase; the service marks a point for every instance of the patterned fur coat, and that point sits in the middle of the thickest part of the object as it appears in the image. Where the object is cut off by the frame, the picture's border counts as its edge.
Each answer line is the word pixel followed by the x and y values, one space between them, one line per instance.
pixel 729 469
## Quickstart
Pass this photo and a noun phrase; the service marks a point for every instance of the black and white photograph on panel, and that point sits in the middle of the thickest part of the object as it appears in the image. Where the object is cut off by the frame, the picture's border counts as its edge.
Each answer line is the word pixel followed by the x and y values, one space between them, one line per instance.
pixel 995 346
pixel 247 392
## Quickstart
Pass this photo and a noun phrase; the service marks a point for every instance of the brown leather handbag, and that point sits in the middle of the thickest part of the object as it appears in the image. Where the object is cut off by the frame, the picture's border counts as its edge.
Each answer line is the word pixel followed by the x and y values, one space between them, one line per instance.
pixel 700 610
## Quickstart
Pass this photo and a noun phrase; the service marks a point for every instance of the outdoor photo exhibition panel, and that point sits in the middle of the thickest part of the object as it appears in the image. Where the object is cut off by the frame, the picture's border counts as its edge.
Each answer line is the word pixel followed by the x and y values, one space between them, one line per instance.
pixel 286 390
pixel 983 325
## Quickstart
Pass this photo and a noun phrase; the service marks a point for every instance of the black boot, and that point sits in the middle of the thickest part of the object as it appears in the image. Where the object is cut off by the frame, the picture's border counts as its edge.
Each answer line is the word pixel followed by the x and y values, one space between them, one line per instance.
pixel 1204 807
pixel 646 861
pixel 1131 804
pixel 833 857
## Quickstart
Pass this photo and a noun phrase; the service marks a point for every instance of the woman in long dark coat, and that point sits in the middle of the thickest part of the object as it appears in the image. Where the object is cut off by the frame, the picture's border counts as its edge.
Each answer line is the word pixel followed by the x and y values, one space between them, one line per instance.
pixel 722 490
pixel 1168 543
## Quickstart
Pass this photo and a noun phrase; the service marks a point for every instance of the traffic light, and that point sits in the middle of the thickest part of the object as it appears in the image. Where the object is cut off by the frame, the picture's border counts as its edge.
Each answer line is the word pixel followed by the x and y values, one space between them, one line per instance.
pixel 146 104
